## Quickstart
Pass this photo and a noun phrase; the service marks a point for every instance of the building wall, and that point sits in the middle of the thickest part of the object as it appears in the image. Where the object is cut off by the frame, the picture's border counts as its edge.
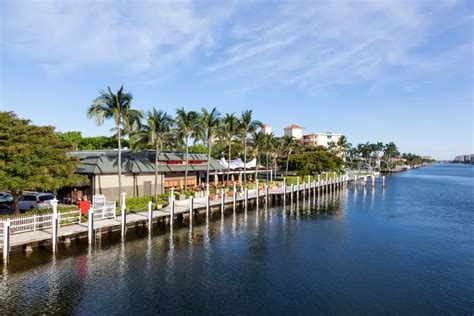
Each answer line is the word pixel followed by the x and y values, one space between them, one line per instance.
pixel 321 139
pixel 132 185
pixel 294 132
pixel 140 184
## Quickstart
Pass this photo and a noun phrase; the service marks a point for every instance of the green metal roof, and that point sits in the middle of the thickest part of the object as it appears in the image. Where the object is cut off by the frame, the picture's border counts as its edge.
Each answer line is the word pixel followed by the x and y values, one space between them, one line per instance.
pixel 105 162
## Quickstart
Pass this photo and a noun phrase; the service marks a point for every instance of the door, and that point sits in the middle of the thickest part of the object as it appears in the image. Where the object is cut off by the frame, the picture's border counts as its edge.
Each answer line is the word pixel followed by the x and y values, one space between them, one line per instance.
pixel 147 188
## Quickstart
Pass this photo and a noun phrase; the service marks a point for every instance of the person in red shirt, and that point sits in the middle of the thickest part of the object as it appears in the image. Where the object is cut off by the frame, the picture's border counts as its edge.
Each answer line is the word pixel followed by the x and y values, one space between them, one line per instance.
pixel 84 205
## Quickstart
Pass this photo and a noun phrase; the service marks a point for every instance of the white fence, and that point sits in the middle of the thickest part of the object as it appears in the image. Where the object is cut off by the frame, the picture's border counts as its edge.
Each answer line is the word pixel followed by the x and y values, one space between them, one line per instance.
pixel 28 223
pixel 105 211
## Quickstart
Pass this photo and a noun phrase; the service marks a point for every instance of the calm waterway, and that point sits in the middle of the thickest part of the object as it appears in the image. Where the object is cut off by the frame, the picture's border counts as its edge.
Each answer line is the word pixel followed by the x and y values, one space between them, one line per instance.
pixel 405 249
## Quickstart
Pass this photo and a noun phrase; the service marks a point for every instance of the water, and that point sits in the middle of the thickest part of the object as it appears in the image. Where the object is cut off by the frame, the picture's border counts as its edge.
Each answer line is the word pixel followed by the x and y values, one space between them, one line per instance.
pixel 408 249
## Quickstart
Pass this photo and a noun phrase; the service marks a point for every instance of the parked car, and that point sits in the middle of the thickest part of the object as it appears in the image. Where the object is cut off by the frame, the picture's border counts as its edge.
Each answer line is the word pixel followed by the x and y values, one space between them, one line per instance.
pixel 35 200
pixel 5 197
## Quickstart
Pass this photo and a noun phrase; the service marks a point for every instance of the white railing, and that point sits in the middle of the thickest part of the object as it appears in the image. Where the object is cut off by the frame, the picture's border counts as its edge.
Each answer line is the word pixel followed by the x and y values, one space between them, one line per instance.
pixel 70 217
pixel 105 211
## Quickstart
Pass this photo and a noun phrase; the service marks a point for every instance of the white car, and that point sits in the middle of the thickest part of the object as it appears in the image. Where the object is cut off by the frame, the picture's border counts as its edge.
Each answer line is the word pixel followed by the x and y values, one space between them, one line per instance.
pixel 5 197
pixel 34 200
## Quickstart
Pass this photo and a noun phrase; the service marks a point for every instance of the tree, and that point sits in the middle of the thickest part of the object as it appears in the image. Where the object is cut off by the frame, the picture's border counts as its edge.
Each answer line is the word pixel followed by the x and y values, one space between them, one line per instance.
pixel 247 126
pixel 259 142
pixel 154 133
pixel 33 158
pixel 341 147
pixel 210 125
pixel 313 162
pixel 187 123
pixel 116 106
pixel 289 144
pixel 228 132
pixel 390 151
pixel 131 124
pixel 74 138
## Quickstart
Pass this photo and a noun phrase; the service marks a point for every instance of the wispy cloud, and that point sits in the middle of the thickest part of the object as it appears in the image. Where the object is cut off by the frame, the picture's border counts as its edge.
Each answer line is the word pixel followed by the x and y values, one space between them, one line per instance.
pixel 306 44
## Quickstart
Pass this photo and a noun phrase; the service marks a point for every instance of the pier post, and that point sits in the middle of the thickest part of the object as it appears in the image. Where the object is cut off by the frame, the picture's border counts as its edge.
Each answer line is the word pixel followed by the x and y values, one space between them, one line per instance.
pixel 207 200
pixel 297 188
pixel 373 180
pixel 246 196
pixel 383 181
pixel 234 197
pixel 191 211
pixel 222 200
pixel 6 241
pixel 292 189
pixel 90 225
pixel 266 194
pixel 55 224
pixel 123 214
pixel 284 192
pixel 172 213
pixel 150 216
pixel 257 192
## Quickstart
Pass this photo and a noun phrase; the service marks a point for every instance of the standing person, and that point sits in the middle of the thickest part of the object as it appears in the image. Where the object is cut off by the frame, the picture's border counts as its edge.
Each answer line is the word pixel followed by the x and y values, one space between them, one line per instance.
pixel 84 206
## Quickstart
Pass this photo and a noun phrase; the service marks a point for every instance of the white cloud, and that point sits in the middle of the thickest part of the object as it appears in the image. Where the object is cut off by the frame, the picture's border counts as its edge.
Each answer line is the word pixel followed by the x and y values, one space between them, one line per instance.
pixel 314 45
pixel 310 44
pixel 138 36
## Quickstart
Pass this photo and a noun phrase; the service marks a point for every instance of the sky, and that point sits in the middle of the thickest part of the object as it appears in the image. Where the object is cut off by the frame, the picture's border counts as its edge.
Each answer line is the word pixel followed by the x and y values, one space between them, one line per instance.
pixel 398 71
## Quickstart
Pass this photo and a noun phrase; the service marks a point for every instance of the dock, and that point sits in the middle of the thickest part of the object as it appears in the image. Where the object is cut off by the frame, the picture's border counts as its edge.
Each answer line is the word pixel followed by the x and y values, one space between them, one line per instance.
pixel 58 229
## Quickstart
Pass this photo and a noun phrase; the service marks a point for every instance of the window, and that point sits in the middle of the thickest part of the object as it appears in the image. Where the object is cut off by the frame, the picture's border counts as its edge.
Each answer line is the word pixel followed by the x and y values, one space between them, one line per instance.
pixel 46 197
pixel 28 198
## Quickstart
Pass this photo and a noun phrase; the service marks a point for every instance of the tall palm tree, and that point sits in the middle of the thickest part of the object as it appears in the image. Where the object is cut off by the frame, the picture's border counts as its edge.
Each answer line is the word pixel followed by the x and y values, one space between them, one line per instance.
pixel 268 147
pixel 210 123
pixel 116 106
pixel 289 144
pixel 131 124
pixel 187 124
pixel 274 145
pixel 247 126
pixel 259 143
pixel 228 133
pixel 154 134
pixel 390 151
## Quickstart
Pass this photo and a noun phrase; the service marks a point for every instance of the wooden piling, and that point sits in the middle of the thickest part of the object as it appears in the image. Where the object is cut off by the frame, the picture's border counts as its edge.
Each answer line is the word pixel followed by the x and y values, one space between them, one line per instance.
pixel 150 216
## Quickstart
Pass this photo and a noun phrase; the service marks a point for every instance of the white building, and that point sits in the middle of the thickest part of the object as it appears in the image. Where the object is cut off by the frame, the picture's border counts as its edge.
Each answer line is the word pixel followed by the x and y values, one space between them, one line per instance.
pixel 321 139
pixel 266 129
pixel 294 131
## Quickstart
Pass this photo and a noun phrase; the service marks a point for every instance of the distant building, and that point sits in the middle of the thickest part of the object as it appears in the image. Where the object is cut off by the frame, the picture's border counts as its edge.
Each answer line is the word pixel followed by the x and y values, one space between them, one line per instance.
pixel 427 157
pixel 266 129
pixel 464 159
pixel 321 139
pixel 294 131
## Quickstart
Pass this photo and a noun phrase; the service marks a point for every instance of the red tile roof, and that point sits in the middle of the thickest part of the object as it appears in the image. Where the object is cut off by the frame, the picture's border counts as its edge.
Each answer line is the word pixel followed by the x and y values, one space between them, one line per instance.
pixel 294 126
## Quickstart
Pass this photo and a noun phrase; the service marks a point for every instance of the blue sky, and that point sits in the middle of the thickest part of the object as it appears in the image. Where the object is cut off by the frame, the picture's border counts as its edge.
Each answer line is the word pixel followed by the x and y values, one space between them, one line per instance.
pixel 397 71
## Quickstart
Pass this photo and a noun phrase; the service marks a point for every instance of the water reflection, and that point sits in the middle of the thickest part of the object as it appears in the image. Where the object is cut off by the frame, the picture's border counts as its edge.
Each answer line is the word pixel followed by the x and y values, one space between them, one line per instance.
pixel 158 251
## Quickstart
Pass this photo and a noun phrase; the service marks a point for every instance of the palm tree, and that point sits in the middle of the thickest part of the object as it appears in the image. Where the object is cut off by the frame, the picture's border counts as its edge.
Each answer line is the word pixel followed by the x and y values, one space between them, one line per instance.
pixel 259 143
pixel 390 151
pixel 155 134
pixel 188 127
pixel 343 146
pixel 269 138
pixel 288 146
pixel 228 132
pixel 247 126
pixel 131 124
pixel 274 145
pixel 116 106
pixel 210 124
